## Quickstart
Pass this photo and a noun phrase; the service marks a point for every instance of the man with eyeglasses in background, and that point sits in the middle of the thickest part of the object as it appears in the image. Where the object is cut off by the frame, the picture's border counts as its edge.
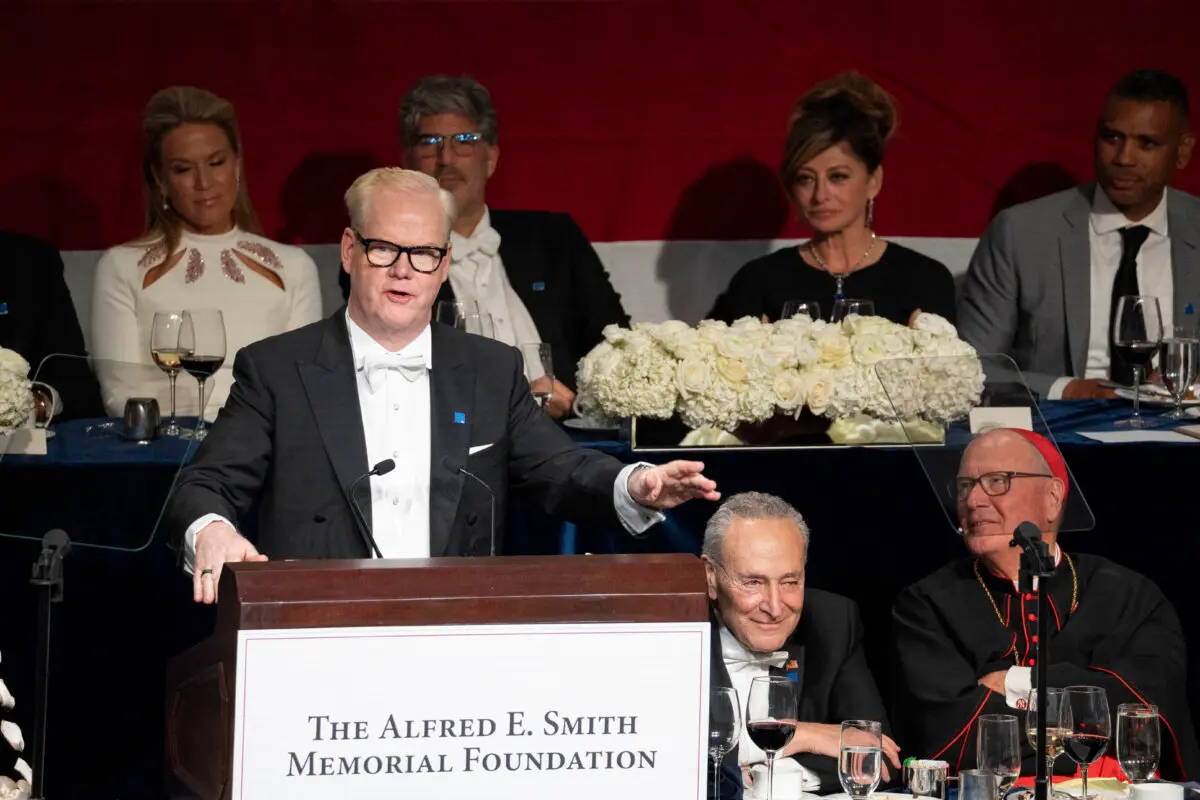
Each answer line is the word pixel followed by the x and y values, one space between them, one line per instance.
pixel 966 637
pixel 766 622
pixel 533 272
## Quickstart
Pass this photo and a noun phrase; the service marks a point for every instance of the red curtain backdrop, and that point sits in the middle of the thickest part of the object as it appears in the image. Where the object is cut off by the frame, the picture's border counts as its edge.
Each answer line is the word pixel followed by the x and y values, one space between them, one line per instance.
pixel 644 119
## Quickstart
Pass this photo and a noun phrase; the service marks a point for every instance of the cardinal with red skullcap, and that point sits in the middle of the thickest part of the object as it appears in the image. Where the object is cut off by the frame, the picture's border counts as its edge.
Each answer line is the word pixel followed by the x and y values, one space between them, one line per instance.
pixel 966 638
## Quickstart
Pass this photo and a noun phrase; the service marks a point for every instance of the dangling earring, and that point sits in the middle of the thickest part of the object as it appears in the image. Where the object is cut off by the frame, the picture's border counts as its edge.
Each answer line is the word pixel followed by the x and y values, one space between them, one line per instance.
pixel 162 193
pixel 871 213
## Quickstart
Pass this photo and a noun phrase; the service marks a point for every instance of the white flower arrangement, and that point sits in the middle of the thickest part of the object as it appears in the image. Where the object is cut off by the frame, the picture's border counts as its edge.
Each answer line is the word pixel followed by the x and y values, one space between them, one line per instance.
pixel 17 787
pixel 16 391
pixel 720 376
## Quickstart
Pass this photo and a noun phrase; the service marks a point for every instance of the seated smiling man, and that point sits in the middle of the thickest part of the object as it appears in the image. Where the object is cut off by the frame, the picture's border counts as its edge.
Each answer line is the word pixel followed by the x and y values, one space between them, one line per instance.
pixel 965 637
pixel 767 623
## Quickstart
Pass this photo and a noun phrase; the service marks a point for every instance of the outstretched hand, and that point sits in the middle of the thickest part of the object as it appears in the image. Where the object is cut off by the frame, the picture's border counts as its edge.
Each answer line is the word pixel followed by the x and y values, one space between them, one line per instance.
pixel 670 485
pixel 217 544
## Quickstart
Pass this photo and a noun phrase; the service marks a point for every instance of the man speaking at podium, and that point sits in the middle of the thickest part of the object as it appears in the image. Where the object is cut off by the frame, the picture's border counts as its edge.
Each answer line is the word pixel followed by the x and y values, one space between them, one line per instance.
pixel 966 638
pixel 313 409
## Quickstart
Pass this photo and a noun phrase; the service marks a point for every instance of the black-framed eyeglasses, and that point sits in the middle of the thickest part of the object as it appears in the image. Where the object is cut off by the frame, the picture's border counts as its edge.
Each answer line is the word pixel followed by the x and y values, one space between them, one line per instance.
pixel 382 253
pixel 461 144
pixel 993 484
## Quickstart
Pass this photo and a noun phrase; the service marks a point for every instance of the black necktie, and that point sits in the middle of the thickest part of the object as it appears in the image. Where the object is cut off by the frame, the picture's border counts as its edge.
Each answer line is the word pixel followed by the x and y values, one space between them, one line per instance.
pixel 1126 283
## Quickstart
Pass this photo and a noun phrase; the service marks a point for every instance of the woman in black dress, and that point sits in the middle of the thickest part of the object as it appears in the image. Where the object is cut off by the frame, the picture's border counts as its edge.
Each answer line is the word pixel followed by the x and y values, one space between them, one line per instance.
pixel 833 171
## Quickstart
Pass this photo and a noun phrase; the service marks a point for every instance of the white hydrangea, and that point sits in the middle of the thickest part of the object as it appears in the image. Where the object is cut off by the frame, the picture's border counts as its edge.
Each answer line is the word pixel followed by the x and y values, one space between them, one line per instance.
pixel 719 376
pixel 16 391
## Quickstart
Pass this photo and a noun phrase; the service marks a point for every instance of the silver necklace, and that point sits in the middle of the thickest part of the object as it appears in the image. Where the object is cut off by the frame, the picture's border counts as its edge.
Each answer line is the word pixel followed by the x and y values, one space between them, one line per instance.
pixel 840 277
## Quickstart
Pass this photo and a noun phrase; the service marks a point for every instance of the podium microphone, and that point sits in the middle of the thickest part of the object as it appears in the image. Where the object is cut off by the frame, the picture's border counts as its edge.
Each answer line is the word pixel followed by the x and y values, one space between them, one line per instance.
pixel 458 468
pixel 382 468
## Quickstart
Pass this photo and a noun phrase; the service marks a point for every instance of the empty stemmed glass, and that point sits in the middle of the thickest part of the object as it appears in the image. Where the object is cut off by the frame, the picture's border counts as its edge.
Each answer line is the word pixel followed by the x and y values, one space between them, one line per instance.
pixel 165 350
pixel 1138 740
pixel 1178 361
pixel 448 312
pixel 724 729
pixel 801 308
pixel 998 749
pixel 539 371
pixel 771 718
pixel 476 323
pixel 1087 727
pixel 202 336
pixel 1137 333
pixel 848 306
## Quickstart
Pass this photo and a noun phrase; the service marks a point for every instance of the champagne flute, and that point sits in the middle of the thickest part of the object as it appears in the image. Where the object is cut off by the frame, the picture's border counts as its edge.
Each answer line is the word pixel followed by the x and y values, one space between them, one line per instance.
pixel 448 312
pixel 165 350
pixel 771 718
pixel 801 308
pixel 860 756
pixel 998 749
pixel 847 306
pixel 724 729
pixel 539 370
pixel 1138 740
pixel 1137 333
pixel 1177 358
pixel 202 335
pixel 1054 730
pixel 1087 727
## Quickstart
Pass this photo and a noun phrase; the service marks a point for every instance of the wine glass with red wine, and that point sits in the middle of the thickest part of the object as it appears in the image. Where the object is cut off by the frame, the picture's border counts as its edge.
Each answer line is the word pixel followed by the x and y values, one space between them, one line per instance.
pixel 202 341
pixel 1137 333
pixel 1087 727
pixel 771 718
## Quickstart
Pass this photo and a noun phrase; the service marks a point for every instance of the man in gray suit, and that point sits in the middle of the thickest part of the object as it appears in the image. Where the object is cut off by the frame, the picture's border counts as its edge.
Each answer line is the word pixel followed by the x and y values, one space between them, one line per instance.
pixel 1043 283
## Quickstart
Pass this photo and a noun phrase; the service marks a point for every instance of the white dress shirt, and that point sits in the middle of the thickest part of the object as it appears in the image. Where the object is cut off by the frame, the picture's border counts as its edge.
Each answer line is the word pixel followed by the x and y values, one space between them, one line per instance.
pixel 1153 271
pixel 396 422
pixel 743 667
pixel 478 274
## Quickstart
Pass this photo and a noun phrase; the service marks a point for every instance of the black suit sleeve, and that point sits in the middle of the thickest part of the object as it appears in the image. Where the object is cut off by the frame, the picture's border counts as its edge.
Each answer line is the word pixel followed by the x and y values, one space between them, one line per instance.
pixel 231 465
pixel 597 303
pixel 854 696
pixel 942 697
pixel 57 332
pixel 569 481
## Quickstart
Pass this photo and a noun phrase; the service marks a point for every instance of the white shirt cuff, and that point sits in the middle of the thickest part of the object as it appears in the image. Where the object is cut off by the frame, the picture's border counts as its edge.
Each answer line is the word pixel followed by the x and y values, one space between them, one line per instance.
pixel 637 519
pixel 1017 687
pixel 1058 387
pixel 189 539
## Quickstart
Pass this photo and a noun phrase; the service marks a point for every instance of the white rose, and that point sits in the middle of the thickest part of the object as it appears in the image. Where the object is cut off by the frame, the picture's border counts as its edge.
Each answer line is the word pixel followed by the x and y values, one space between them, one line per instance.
pixel 12 362
pixel 732 370
pixel 818 390
pixel 896 344
pixel 733 345
pixel 868 348
pixel 789 389
pixel 746 325
pixel 833 347
pixel 935 325
pixel 860 326
pixel 807 353
pixel 693 376
pixel 614 334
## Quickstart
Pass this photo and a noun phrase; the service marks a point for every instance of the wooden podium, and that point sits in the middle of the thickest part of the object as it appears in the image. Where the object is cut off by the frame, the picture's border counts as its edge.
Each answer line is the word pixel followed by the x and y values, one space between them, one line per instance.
pixel 201 700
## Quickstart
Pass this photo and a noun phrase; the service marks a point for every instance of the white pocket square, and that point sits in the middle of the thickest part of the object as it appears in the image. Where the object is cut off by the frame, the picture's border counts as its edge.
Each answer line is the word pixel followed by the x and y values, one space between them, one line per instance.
pixel 479 448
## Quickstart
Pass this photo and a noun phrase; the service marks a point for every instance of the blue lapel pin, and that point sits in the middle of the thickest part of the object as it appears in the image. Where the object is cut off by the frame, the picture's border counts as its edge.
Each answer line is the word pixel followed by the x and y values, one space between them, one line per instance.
pixel 539 286
pixel 460 418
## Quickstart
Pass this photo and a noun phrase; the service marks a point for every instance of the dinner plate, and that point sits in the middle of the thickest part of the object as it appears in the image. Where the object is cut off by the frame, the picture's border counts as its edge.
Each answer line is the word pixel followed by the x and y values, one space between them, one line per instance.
pixel 1153 398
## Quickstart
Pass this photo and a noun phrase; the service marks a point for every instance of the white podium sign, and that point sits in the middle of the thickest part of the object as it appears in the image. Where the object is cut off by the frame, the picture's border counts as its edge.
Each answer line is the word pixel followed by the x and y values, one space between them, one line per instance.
pixel 528 712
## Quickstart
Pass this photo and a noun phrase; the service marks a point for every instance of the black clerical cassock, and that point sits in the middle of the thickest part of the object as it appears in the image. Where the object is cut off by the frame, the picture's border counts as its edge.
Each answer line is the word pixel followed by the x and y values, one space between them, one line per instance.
pixel 1109 627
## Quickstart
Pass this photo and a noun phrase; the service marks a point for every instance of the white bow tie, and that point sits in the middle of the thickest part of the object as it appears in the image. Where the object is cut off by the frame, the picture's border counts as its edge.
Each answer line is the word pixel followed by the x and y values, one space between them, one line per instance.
pixel 411 366
pixel 737 659
pixel 485 241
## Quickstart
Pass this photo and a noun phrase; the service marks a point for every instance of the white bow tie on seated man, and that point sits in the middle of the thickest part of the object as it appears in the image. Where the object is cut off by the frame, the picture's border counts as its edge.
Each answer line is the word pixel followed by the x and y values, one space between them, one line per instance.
pixel 767 623
pixel 312 409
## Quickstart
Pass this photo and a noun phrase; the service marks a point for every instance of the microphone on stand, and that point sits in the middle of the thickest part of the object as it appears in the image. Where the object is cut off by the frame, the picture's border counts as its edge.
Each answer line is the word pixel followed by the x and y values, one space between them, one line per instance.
pixel 458 468
pixel 382 468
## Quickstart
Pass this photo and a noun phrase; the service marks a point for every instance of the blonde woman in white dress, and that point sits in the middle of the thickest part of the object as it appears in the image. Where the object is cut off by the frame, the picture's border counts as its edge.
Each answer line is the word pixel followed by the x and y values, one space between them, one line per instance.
pixel 203 248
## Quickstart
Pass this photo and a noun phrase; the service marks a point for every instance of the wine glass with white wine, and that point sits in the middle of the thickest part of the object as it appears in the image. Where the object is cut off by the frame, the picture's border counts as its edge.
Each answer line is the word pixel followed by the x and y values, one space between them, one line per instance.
pixel 165 350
